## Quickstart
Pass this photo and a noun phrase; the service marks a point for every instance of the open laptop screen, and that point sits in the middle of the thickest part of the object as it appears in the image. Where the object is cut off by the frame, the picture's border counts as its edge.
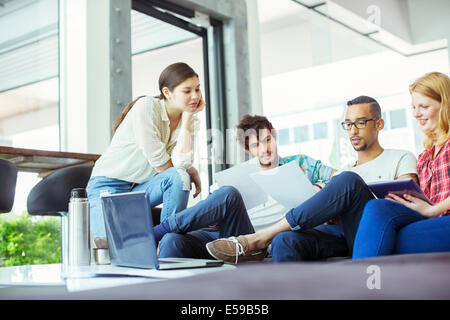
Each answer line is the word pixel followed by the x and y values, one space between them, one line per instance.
pixel 129 229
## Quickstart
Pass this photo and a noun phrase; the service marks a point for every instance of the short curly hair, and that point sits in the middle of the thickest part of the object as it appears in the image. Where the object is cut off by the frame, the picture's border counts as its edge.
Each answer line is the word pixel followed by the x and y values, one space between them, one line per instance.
pixel 249 125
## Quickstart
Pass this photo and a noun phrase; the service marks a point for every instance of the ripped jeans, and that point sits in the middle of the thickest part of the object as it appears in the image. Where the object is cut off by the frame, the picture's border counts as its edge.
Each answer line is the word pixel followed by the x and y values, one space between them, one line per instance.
pixel 167 187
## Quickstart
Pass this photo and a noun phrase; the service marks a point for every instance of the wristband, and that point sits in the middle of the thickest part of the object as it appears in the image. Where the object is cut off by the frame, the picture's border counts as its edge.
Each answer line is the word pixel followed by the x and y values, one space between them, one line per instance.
pixel 318 186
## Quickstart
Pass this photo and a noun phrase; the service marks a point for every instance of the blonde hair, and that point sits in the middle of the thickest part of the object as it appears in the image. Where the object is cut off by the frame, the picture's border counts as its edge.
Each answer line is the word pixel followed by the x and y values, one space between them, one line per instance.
pixel 435 85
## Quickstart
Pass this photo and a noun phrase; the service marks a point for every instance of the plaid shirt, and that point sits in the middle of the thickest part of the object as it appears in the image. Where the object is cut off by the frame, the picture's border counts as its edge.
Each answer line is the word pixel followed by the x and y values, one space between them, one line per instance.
pixel 434 174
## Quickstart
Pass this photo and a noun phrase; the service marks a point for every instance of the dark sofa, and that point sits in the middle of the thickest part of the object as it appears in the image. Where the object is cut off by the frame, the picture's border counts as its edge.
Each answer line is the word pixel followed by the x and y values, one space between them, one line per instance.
pixel 412 276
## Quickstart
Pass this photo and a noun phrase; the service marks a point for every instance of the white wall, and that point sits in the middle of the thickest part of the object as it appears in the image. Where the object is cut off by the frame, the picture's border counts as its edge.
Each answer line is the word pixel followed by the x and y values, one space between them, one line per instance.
pixel 394 15
pixel 429 20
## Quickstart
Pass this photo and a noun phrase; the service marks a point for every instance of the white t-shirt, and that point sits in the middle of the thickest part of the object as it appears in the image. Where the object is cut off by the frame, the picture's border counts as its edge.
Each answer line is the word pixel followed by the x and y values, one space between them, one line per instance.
pixel 266 214
pixel 389 165
pixel 141 143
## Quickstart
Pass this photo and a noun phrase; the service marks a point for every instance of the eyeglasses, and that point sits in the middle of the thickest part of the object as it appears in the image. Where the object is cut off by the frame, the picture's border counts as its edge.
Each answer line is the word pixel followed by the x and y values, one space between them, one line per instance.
pixel 360 124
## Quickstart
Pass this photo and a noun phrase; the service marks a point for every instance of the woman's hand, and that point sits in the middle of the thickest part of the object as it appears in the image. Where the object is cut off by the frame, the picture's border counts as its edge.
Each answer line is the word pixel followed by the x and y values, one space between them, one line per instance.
pixel 425 209
pixel 201 105
pixel 191 111
pixel 195 179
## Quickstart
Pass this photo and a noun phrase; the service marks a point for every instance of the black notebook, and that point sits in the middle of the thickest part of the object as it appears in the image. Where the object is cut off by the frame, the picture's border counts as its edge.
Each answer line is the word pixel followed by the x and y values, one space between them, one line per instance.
pixel 397 187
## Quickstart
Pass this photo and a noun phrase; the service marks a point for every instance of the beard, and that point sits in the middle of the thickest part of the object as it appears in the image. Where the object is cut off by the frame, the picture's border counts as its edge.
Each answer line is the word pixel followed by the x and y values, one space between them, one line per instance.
pixel 267 163
pixel 361 148
pixel 363 145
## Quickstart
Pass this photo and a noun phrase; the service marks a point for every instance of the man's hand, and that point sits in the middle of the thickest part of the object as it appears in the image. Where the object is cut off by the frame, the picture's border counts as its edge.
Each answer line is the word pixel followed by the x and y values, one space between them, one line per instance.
pixel 320 184
pixel 410 176
pixel 336 220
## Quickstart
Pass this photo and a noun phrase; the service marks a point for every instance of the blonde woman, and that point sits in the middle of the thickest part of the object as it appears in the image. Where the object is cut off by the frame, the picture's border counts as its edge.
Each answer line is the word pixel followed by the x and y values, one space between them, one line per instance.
pixel 408 224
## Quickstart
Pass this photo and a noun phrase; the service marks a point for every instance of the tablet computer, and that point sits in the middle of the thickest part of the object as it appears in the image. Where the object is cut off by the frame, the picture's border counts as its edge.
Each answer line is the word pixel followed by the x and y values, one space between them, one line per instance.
pixel 397 187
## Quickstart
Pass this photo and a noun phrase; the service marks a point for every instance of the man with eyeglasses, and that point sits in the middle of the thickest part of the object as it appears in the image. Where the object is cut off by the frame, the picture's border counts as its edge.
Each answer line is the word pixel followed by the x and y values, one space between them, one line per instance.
pixel 363 123
pixel 312 231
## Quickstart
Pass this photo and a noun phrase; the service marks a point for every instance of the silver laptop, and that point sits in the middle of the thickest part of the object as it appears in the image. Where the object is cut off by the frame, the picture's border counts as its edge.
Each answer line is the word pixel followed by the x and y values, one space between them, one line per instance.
pixel 131 241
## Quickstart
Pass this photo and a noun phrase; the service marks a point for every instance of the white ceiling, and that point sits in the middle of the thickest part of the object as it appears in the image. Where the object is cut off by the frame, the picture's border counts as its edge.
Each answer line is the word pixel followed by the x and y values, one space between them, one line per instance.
pixel 274 10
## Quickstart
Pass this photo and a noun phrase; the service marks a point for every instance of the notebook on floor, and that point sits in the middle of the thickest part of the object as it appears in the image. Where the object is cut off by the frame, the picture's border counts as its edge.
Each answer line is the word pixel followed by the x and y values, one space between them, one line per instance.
pixel 131 242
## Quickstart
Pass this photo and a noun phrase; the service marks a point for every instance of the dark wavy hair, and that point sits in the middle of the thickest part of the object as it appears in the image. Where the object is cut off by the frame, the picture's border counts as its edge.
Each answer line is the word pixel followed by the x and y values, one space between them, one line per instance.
pixel 251 125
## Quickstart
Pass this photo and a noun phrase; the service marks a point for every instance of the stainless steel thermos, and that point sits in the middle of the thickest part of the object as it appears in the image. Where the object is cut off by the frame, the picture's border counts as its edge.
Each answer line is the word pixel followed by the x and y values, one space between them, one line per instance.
pixel 76 232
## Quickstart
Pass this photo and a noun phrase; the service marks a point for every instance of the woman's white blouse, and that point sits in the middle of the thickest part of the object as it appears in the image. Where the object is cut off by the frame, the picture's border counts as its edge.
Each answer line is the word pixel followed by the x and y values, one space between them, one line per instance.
pixel 141 143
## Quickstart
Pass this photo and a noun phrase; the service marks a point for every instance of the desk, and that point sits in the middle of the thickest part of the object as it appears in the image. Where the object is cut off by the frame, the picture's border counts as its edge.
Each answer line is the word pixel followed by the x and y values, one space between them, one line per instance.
pixel 50 276
pixel 44 162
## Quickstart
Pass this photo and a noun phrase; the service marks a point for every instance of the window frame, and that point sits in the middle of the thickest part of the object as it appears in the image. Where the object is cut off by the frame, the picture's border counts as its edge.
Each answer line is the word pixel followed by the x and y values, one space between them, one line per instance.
pixel 168 15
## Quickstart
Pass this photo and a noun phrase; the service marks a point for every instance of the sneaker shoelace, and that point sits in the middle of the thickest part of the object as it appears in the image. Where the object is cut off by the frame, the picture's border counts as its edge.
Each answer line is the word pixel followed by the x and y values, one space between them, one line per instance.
pixel 239 249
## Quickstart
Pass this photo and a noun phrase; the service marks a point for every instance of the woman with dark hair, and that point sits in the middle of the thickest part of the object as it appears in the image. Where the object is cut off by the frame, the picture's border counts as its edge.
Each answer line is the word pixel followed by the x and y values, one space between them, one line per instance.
pixel 407 224
pixel 152 148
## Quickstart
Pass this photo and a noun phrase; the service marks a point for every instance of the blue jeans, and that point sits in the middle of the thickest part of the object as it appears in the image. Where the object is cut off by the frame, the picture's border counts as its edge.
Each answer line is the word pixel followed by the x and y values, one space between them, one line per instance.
pixel 321 242
pixel 388 228
pixel 345 195
pixel 190 232
pixel 166 187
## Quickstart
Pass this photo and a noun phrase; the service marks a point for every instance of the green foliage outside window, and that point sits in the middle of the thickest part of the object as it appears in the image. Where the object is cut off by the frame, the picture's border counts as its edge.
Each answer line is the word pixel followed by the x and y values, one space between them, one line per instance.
pixel 24 241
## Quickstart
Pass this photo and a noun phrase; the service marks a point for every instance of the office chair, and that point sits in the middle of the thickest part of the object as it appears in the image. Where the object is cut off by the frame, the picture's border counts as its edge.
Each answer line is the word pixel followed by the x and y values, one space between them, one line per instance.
pixel 8 180
pixel 50 197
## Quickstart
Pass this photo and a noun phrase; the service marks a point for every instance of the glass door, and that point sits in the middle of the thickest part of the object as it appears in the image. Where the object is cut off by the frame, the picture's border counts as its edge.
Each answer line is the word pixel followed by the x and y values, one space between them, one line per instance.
pixel 163 34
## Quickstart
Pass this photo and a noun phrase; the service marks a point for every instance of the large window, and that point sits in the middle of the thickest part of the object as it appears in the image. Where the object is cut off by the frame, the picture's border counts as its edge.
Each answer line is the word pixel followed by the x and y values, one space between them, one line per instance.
pixel 312 65
pixel 320 130
pixel 301 134
pixel 284 137
pixel 155 45
pixel 162 36
pixel 29 94
pixel 398 119
pixel 29 81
